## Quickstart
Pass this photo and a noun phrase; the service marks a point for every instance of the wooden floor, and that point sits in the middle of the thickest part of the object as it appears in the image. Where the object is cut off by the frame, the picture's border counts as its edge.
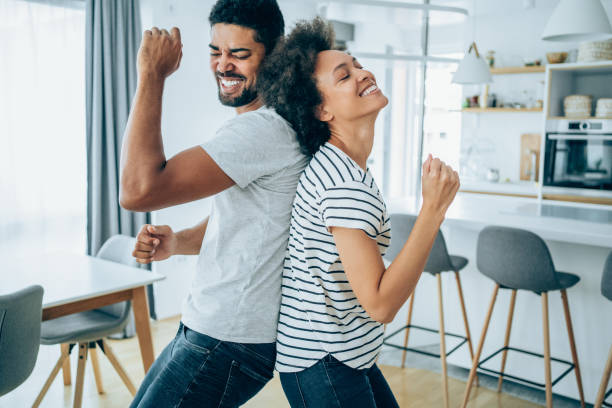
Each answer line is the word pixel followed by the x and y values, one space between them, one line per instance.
pixel 413 388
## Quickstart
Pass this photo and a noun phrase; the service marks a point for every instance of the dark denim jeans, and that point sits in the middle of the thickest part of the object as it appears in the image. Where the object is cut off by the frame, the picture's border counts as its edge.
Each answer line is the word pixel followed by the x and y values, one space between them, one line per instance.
pixel 331 384
pixel 196 370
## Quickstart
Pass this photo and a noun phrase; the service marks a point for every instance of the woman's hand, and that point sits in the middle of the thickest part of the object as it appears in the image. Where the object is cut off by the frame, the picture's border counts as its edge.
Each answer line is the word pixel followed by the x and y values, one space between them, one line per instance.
pixel 440 185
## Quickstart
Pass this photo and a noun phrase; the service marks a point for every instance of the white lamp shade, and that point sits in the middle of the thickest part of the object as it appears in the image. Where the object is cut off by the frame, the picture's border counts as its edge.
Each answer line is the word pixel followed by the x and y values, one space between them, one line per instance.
pixel 472 70
pixel 577 21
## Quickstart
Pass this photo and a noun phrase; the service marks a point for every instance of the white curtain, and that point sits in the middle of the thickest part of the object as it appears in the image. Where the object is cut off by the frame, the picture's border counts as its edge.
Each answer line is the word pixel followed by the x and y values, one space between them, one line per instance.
pixel 42 127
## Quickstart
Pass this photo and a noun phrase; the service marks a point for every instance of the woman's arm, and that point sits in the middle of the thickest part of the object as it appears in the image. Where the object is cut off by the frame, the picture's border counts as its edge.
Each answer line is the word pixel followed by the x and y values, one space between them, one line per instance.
pixel 382 292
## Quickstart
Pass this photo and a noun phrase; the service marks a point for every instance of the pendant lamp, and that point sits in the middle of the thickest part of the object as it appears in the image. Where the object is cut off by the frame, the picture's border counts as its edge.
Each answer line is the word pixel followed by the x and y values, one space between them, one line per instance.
pixel 578 21
pixel 472 69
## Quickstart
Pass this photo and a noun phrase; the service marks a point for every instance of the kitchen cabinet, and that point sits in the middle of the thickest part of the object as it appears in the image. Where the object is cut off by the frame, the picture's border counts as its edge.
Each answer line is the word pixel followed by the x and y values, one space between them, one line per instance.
pixel 561 80
pixel 577 150
pixel 594 79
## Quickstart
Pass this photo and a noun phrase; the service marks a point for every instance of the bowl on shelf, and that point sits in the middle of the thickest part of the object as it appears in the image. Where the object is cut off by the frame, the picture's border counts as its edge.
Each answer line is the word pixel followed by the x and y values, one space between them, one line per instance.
pixel 604 108
pixel 556 57
pixel 577 106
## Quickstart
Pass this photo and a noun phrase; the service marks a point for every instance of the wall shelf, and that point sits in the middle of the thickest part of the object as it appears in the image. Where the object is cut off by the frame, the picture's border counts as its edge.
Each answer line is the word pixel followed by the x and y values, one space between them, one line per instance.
pixel 491 110
pixel 518 70
pixel 579 117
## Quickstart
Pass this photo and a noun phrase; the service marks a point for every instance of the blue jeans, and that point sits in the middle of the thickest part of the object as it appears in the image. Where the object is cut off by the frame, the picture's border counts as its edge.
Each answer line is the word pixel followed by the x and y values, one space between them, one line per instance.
pixel 330 383
pixel 196 370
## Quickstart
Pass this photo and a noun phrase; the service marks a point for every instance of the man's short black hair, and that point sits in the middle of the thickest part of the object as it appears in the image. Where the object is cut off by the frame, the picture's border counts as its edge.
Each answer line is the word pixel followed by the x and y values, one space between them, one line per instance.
pixel 263 16
pixel 286 81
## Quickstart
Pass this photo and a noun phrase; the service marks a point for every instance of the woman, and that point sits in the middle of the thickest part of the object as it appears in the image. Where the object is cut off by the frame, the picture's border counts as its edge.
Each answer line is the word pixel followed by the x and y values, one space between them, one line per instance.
pixel 336 291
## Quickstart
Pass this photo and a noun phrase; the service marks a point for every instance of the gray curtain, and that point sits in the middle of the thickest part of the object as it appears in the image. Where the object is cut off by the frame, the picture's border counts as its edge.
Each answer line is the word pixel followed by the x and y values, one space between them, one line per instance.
pixel 113 33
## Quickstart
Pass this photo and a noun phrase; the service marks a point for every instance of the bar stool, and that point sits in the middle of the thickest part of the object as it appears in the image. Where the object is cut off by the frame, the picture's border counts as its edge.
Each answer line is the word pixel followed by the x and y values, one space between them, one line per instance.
pixel 606 290
pixel 519 260
pixel 439 261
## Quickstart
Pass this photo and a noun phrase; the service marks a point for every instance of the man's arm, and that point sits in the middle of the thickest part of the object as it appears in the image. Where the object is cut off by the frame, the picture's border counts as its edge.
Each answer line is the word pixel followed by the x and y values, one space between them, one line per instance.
pixel 189 240
pixel 159 242
pixel 149 181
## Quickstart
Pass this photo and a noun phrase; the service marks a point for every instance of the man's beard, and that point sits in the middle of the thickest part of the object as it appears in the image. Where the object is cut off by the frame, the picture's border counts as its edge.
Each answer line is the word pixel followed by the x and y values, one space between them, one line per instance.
pixel 247 96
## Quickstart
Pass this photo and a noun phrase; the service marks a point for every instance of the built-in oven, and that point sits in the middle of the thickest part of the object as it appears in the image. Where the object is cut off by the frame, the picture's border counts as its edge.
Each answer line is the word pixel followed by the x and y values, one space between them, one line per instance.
pixel 578 154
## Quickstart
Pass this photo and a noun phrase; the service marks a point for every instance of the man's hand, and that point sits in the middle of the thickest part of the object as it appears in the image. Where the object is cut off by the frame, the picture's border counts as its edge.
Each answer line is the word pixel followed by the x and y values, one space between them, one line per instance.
pixel 154 243
pixel 160 53
pixel 440 184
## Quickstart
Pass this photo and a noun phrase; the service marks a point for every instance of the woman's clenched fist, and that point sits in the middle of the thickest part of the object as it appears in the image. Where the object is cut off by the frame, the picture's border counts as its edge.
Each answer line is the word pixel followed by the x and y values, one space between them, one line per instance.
pixel 440 185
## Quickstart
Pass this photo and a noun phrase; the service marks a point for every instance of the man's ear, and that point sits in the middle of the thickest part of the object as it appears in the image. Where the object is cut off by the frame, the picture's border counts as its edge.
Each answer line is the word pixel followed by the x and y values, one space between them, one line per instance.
pixel 322 114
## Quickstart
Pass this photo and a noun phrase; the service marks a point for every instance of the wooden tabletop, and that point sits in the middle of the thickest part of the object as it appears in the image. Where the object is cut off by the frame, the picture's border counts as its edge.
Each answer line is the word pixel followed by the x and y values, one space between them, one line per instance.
pixel 68 277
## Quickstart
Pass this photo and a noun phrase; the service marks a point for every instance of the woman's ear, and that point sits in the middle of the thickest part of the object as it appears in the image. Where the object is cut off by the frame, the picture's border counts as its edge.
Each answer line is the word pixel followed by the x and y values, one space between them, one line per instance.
pixel 322 114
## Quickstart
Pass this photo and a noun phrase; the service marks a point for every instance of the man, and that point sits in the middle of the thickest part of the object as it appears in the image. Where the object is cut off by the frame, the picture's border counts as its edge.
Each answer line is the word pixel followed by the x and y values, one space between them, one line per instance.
pixel 224 351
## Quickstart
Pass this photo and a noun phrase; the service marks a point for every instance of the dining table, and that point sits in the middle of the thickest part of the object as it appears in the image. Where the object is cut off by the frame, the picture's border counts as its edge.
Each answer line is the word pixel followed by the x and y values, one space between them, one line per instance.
pixel 75 283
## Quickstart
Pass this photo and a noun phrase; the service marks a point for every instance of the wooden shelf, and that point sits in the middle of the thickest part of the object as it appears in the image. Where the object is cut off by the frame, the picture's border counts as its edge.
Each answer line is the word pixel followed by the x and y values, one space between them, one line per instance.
pixel 580 117
pixel 518 70
pixel 490 110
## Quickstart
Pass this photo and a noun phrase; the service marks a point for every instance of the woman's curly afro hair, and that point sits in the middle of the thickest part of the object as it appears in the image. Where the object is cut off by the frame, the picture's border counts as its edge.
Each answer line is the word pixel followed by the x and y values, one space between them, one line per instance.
pixel 286 81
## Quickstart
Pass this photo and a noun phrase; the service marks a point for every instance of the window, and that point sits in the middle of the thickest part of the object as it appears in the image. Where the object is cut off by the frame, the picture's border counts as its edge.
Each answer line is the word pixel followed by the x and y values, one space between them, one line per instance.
pixel 42 127
pixel 413 56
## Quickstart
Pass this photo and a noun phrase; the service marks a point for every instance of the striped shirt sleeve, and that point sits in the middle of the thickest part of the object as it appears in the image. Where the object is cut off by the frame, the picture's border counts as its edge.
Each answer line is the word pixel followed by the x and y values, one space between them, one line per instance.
pixel 352 204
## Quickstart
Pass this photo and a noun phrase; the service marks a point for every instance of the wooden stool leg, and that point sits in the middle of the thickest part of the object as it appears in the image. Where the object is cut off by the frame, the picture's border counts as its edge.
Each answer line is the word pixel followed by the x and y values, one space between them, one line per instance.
pixel 465 320
pixel 117 366
pixel 442 343
pixel 506 340
pixel 66 365
pixel 468 388
pixel 546 331
pixel 604 381
pixel 570 335
pixel 96 369
pixel 408 328
pixel 80 377
pixel 65 354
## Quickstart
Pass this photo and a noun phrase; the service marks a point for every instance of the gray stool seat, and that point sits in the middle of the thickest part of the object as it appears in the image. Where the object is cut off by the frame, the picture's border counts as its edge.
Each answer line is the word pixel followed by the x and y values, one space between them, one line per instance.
pixel 20 315
pixel 81 327
pixel 517 259
pixel 606 278
pixel 566 280
pixel 458 262
pixel 439 259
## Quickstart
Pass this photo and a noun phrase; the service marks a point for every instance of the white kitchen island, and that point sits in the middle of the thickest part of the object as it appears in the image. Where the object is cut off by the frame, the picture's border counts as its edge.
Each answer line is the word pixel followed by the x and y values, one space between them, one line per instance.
pixel 579 237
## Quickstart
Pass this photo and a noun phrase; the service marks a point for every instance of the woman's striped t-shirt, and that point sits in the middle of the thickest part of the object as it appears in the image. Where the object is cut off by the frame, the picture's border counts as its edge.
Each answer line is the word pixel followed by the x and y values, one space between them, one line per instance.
pixel 319 312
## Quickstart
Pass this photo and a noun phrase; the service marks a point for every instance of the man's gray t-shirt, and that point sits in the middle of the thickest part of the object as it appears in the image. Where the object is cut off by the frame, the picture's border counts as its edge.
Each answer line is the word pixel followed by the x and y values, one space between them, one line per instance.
pixel 236 292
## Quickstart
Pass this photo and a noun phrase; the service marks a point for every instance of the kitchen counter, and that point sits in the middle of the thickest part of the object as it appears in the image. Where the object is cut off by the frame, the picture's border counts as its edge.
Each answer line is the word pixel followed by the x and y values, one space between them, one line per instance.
pixel 519 188
pixel 585 224
pixel 579 237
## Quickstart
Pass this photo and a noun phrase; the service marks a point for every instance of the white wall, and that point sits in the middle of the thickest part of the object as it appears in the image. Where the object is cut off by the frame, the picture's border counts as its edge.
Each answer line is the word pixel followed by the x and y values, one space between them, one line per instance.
pixel 191 114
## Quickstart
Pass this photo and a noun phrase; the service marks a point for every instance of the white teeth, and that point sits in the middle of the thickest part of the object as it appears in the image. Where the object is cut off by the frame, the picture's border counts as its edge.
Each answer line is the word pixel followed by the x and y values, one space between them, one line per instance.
pixel 229 83
pixel 369 90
